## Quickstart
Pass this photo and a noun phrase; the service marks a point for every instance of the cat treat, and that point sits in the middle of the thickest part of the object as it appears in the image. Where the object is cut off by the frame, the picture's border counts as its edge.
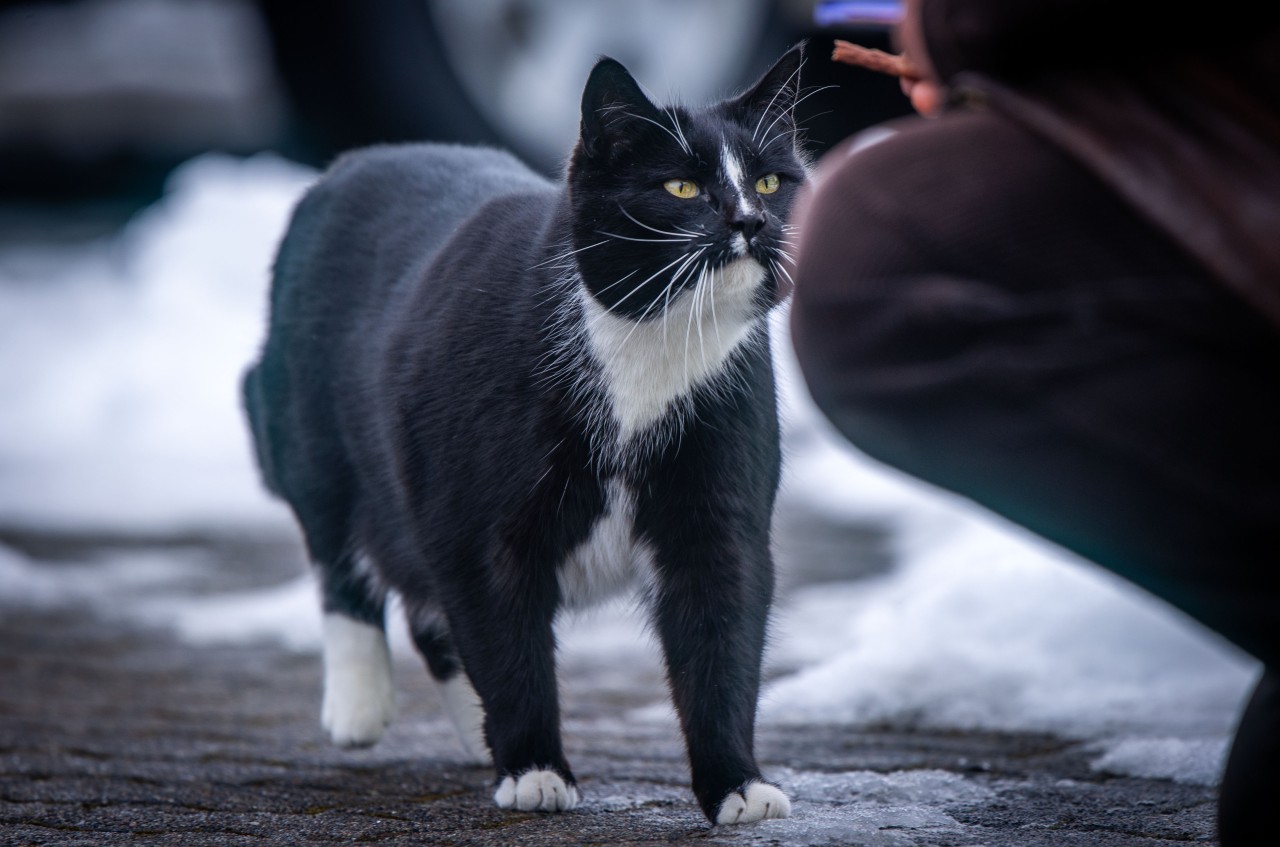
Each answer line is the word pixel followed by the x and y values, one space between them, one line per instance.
pixel 873 60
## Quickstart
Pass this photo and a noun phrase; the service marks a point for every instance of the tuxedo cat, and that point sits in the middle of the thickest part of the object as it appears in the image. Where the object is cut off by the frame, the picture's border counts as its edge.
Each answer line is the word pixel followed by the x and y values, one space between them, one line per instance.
pixel 499 396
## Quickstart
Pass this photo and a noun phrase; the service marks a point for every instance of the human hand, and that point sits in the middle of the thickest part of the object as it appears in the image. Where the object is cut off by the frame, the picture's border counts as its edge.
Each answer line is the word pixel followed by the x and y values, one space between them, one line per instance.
pixel 922 84
pixel 912 66
pixel 925 94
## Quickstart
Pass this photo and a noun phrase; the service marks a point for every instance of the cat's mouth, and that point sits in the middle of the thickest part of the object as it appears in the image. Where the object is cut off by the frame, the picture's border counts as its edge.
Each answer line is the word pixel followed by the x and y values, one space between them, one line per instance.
pixel 739 247
pixel 756 259
pixel 760 252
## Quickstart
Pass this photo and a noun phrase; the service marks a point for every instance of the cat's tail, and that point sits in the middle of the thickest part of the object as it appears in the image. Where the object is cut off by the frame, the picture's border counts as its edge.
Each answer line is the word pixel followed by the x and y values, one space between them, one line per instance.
pixel 254 400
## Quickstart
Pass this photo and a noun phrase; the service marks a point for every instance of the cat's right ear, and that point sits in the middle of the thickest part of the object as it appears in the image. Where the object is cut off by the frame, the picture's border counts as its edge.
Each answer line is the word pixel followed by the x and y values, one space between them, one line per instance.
pixel 614 110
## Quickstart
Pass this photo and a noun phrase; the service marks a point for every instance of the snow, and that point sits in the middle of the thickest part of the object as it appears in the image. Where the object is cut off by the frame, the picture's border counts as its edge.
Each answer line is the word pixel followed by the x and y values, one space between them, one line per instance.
pixel 871 809
pixel 120 414
pixel 1190 760
pixel 122 360
pixel 990 630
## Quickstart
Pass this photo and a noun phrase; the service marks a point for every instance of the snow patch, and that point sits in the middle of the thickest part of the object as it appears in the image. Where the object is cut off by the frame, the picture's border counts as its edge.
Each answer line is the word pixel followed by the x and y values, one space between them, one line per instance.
pixel 865 808
pixel 123 359
pixel 1196 761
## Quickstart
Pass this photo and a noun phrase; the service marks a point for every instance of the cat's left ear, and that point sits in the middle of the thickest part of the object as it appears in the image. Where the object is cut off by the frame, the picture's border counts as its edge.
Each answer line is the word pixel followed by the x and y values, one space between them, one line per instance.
pixel 774 94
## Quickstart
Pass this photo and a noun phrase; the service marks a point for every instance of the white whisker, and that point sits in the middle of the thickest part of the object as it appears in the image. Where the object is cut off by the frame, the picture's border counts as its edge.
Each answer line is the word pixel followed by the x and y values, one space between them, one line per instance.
pixel 675 240
pixel 798 101
pixel 618 281
pixel 688 330
pixel 785 86
pixel 675 121
pixel 550 466
pixel 675 278
pixel 714 323
pixel 638 323
pixel 778 266
pixel 560 257
pixel 677 138
pixel 786 131
pixel 682 258
pixel 678 233
pixel 699 300
pixel 781 134
pixel 811 92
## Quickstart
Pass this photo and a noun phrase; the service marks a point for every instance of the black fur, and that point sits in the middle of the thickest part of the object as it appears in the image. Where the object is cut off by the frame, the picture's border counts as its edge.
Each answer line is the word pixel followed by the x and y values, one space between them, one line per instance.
pixel 427 397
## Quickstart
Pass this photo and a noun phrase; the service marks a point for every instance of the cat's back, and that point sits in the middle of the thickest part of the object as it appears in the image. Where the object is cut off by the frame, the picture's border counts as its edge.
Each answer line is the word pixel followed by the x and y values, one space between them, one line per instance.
pixel 361 243
pixel 357 251
pixel 453 180
pixel 398 204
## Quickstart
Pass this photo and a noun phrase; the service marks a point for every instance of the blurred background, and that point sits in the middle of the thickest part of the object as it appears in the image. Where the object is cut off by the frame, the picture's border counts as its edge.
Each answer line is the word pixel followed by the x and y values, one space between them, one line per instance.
pixel 100 99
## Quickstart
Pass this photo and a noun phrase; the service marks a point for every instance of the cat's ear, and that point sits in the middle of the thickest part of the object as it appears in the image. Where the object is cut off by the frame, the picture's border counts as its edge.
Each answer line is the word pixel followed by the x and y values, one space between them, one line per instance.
pixel 774 95
pixel 614 110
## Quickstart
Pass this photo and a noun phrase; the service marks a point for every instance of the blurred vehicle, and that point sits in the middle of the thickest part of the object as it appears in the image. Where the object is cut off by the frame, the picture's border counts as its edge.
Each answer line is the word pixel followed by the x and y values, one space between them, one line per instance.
pixel 102 97
pixel 511 71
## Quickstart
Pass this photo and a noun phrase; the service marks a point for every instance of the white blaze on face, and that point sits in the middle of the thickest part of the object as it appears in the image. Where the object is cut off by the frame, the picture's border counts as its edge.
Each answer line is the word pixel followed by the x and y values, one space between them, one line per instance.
pixel 735 175
pixel 744 196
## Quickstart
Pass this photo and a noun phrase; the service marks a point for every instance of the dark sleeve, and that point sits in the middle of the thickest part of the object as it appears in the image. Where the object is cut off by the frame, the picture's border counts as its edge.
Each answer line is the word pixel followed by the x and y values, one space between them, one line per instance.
pixel 1018 39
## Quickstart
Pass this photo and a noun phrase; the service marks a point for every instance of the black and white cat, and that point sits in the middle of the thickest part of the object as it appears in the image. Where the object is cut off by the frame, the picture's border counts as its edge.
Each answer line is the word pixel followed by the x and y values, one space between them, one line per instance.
pixel 499 396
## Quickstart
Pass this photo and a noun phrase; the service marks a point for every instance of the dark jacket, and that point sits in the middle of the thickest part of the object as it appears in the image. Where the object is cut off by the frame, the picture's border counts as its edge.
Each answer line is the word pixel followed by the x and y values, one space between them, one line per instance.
pixel 1178 113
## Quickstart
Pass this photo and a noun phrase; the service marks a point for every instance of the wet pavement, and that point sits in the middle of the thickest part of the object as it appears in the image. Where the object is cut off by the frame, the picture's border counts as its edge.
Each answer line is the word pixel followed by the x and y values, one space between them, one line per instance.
pixel 117 732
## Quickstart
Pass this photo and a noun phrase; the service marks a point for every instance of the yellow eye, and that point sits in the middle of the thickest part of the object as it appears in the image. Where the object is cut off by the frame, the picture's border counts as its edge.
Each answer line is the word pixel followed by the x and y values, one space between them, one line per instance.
pixel 768 183
pixel 682 188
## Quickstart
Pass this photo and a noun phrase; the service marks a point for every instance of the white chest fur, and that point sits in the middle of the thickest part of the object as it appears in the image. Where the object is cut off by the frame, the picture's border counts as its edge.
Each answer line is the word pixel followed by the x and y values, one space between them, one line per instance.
pixel 648 364
pixel 610 559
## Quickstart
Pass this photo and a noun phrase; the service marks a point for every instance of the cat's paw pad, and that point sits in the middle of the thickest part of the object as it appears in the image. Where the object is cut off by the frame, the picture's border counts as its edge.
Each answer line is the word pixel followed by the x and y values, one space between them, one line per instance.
pixel 756 801
pixel 536 791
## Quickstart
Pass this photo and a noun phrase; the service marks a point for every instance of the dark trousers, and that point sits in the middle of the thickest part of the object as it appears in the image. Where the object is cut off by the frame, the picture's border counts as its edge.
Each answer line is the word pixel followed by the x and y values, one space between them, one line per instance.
pixel 976 309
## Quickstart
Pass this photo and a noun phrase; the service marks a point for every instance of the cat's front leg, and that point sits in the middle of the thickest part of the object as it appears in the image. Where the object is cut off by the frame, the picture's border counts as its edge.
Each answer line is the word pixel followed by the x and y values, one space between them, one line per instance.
pixel 710 607
pixel 504 638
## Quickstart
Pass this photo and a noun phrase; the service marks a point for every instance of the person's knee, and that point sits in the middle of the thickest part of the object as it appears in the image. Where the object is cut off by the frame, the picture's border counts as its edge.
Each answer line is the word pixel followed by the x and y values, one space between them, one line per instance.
pixel 853 383
pixel 833 364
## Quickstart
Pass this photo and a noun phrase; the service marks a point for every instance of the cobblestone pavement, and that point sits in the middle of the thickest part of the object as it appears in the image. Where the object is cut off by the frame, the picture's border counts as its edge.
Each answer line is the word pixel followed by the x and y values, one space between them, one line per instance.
pixel 113 733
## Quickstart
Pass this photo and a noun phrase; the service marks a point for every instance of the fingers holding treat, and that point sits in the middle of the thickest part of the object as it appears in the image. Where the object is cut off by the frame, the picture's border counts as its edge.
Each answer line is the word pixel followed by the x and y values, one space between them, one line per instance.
pixel 873 60
pixel 925 94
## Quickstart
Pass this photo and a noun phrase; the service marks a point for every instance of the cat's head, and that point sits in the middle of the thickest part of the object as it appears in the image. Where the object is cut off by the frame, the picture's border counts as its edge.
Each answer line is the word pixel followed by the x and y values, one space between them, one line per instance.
pixel 669 200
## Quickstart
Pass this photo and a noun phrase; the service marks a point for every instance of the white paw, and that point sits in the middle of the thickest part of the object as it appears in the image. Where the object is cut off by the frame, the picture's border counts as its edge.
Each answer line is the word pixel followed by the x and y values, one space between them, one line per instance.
pixel 359 698
pixel 536 791
pixel 758 801
pixel 467 714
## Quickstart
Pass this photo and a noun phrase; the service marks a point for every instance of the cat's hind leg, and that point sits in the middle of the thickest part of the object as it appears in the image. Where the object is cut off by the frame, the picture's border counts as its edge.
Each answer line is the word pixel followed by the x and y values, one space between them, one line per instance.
pixel 431 635
pixel 359 697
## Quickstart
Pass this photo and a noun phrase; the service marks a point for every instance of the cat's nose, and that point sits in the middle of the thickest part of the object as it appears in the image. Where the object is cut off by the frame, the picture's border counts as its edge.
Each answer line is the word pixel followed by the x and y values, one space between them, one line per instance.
pixel 748 222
